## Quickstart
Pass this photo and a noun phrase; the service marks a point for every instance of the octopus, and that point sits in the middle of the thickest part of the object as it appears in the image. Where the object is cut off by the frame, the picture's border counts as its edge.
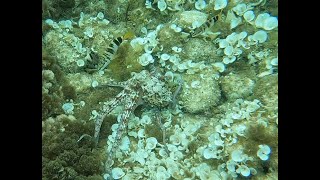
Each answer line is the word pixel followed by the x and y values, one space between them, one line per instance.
pixel 141 88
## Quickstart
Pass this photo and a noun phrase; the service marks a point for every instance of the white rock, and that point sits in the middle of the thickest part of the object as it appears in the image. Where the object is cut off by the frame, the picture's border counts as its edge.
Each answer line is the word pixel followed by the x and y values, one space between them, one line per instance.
pixel 114 127
pixel 203 171
pixel 144 30
pixel 175 139
pixel 163 153
pixel 219 66
pixel 106 176
pixel 215 139
pixel 200 4
pixel 173 26
pixel 274 62
pixel 253 106
pixel 227 121
pixel 50 22
pixel 227 60
pixel 176 49
pixel 223 43
pixel 237 51
pixel 104 22
pixel 244 170
pixel 178 29
pixel 176 155
pixel 172 148
pixel 220 4
pixel 100 15
pixel 48 74
pixel 171 165
pixel 162 5
pixel 125 143
pixel 68 108
pixel 174 59
pixel 137 43
pixel 235 22
pixel 265 73
pixel 80 62
pixel 249 16
pixel 210 153
pixel 140 156
pixel 237 156
pixel 260 36
pixel 141 133
pixel 195 24
pixel 182 67
pixel 133 134
pixel 189 17
pixel 66 24
pixel 117 173
pixel 145 59
pixel 240 9
pixel 169 76
pixel 253 171
pixel 148 48
pixel 148 4
pixel 138 170
pixel 231 165
pixel 165 56
pixel 145 119
pixel 242 35
pixel 228 50
pixel 270 23
pixel 162 173
pixel 89 32
pixel 94 83
pixel 195 84
pixel 178 138
pixel 190 129
pixel 263 152
pixel 260 19
pixel 232 38
pixel 233 19
pixel 151 143
pixel 240 129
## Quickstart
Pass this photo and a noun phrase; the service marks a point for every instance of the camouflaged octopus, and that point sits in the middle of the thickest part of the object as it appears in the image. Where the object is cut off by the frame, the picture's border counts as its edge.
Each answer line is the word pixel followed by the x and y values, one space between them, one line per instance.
pixel 141 88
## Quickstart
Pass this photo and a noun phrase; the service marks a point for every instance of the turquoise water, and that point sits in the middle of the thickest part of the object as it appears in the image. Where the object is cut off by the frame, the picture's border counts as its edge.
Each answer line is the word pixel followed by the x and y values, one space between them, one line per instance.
pixel 163 89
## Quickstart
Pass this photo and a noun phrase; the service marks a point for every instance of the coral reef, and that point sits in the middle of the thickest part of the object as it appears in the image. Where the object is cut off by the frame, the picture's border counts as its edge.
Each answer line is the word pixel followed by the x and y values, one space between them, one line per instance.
pixel 159 89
